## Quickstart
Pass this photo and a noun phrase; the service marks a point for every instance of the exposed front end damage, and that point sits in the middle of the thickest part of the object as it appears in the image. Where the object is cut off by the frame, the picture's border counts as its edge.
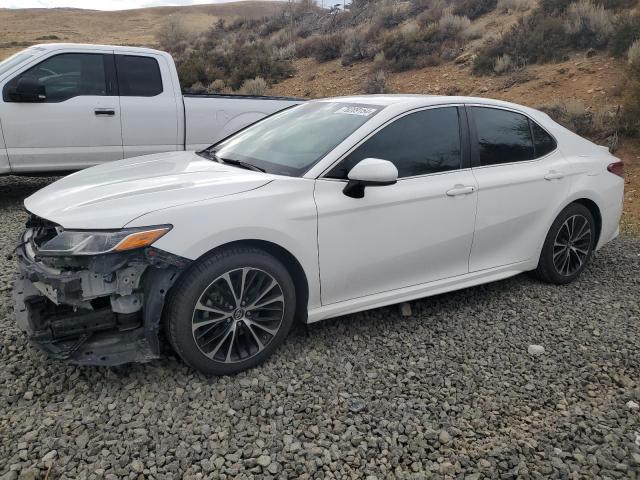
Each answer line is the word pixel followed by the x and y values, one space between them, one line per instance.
pixel 94 309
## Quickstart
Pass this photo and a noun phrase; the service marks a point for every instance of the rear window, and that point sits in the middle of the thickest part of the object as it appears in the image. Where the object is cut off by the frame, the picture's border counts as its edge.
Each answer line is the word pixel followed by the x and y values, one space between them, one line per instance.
pixel 503 136
pixel 542 141
pixel 138 76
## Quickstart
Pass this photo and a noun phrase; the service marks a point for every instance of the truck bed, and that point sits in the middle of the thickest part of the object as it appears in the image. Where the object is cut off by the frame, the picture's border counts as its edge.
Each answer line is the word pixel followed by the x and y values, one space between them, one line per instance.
pixel 211 117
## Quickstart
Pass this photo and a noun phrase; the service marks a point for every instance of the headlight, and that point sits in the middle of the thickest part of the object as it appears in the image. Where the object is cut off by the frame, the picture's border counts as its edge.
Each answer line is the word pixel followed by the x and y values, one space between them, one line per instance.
pixel 77 242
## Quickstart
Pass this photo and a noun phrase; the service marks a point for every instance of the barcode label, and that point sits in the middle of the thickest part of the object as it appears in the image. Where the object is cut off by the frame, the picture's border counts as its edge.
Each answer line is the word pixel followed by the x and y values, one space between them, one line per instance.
pixel 362 111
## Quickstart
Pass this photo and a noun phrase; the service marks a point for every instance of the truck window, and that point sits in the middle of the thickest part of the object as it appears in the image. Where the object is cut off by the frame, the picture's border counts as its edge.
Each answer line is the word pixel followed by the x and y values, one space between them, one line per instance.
pixel 65 76
pixel 138 76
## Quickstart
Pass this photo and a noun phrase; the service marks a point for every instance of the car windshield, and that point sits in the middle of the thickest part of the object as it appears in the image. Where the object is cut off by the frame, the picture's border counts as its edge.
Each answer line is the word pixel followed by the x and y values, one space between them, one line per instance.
pixel 292 141
pixel 14 60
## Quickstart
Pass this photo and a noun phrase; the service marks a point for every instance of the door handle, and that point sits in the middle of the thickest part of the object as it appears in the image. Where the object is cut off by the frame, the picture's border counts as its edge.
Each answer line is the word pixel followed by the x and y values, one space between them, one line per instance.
pixel 553 175
pixel 104 112
pixel 461 190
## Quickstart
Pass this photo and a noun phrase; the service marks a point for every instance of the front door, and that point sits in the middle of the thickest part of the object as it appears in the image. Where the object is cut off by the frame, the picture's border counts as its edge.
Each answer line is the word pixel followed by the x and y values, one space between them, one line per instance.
pixel 75 124
pixel 416 231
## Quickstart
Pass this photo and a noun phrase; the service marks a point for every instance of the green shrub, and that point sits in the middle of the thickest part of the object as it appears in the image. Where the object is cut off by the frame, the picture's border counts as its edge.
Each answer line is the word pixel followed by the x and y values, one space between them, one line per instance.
pixel 588 24
pixel 596 124
pixel 377 82
pixel 253 60
pixel 406 48
pixel 554 7
pixel 633 55
pixel 505 6
pixel 390 15
pixel 631 99
pixel 475 8
pixel 218 86
pixel 321 47
pixel 536 38
pixel 356 48
pixel 173 36
pixel 503 64
pixel 626 31
pixel 451 25
pixel 257 86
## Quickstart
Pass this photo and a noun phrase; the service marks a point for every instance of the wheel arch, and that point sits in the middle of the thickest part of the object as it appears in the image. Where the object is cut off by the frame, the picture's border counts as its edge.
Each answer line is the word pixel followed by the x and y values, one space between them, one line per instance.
pixel 289 261
pixel 581 199
pixel 595 211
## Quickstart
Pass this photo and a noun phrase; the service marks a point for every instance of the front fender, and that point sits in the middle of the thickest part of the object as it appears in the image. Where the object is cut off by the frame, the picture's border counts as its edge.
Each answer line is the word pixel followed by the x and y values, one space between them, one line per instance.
pixel 282 213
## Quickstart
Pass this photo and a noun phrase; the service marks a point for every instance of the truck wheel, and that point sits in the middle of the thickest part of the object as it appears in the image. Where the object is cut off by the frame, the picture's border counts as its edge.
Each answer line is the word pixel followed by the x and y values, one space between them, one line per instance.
pixel 230 311
pixel 568 246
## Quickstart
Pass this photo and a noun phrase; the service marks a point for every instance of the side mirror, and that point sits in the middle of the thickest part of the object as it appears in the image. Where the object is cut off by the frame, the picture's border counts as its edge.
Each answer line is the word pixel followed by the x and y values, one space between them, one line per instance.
pixel 29 90
pixel 370 172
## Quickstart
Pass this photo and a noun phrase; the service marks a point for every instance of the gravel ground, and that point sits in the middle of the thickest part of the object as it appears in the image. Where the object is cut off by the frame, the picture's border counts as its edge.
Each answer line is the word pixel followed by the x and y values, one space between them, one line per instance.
pixel 450 391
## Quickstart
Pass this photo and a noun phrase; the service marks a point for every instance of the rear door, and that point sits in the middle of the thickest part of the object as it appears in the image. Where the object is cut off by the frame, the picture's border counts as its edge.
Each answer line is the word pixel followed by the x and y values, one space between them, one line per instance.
pixel 148 104
pixel 74 124
pixel 522 178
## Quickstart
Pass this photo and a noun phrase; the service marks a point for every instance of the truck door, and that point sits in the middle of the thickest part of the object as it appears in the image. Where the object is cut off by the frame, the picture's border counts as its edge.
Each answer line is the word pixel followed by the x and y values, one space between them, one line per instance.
pixel 63 113
pixel 149 105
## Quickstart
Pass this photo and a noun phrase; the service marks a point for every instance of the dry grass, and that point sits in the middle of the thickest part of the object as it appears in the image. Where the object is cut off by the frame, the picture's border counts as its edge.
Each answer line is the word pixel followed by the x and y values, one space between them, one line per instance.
pixel 21 28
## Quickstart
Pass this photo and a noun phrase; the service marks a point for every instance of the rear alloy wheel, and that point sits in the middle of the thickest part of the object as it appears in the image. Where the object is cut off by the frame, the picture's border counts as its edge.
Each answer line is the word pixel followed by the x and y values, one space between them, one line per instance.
pixel 568 246
pixel 231 311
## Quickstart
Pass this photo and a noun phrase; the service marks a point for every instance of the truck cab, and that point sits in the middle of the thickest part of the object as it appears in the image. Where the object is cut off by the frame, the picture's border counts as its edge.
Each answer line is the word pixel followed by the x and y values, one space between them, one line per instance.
pixel 65 107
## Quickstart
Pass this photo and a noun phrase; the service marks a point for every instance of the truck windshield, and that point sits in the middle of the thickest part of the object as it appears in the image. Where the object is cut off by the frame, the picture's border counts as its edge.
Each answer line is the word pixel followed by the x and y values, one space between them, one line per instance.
pixel 14 60
pixel 292 141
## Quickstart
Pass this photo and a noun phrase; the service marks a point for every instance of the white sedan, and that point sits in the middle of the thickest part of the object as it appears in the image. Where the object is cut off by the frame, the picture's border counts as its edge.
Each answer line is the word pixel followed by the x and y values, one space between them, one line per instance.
pixel 327 208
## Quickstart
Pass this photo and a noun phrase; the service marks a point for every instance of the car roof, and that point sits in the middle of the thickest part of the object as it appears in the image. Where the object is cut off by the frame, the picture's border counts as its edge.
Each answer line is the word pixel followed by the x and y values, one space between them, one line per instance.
pixel 417 101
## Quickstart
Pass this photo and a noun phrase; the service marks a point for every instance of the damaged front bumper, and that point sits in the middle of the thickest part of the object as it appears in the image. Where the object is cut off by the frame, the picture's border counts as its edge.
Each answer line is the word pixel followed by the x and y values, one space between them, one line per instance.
pixel 95 310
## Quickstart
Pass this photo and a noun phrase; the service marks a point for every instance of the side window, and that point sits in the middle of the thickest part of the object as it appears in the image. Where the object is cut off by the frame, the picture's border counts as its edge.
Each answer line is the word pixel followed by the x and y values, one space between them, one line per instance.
pixel 138 76
pixel 542 141
pixel 419 143
pixel 63 77
pixel 503 136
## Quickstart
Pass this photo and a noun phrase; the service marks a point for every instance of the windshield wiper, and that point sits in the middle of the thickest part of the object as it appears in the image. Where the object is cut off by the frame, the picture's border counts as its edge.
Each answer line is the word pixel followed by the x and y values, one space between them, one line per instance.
pixel 212 155
pixel 240 163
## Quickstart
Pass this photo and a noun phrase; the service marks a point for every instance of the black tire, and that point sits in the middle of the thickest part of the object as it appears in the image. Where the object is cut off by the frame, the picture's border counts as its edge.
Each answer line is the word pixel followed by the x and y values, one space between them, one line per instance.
pixel 548 270
pixel 203 281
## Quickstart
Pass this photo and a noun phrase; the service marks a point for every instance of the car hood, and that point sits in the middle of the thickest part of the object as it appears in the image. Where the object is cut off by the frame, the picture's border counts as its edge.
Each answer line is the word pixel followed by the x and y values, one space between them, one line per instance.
pixel 113 194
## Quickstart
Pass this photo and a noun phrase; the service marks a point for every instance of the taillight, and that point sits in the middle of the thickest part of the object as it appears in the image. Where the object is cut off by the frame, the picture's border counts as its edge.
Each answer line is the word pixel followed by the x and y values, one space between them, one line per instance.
pixel 617 168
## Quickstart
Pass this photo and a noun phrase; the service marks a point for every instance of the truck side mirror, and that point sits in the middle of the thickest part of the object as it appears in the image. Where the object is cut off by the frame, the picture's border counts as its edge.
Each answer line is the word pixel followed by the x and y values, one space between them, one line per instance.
pixel 29 90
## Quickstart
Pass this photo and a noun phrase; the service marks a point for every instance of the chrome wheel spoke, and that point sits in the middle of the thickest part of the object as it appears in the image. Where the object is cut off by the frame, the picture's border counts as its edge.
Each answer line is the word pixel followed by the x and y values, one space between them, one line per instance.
pixel 213 323
pixel 204 308
pixel 212 353
pixel 231 344
pixel 264 304
pixel 237 315
pixel 270 331
pixel 249 325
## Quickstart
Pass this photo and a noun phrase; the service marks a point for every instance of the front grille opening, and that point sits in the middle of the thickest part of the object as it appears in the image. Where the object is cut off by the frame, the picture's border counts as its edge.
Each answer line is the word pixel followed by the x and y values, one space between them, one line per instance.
pixel 43 230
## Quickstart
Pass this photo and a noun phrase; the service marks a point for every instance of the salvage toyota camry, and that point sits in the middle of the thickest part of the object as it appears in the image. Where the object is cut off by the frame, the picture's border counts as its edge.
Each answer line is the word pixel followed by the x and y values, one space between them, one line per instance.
pixel 327 208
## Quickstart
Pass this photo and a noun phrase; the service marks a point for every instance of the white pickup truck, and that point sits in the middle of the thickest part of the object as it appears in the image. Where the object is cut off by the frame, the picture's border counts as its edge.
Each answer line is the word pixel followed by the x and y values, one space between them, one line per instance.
pixel 66 107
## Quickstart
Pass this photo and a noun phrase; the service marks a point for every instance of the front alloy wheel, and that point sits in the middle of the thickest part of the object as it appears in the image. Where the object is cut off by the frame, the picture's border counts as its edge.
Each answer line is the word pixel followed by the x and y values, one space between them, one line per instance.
pixel 230 311
pixel 237 316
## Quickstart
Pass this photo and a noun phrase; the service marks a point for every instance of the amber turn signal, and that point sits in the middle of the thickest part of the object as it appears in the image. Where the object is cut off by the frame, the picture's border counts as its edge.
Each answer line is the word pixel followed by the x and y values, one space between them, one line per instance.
pixel 140 239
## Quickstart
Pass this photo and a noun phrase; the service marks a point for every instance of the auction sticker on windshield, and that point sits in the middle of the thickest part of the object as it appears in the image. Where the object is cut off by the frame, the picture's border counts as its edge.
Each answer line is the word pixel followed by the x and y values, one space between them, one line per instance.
pixel 362 111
